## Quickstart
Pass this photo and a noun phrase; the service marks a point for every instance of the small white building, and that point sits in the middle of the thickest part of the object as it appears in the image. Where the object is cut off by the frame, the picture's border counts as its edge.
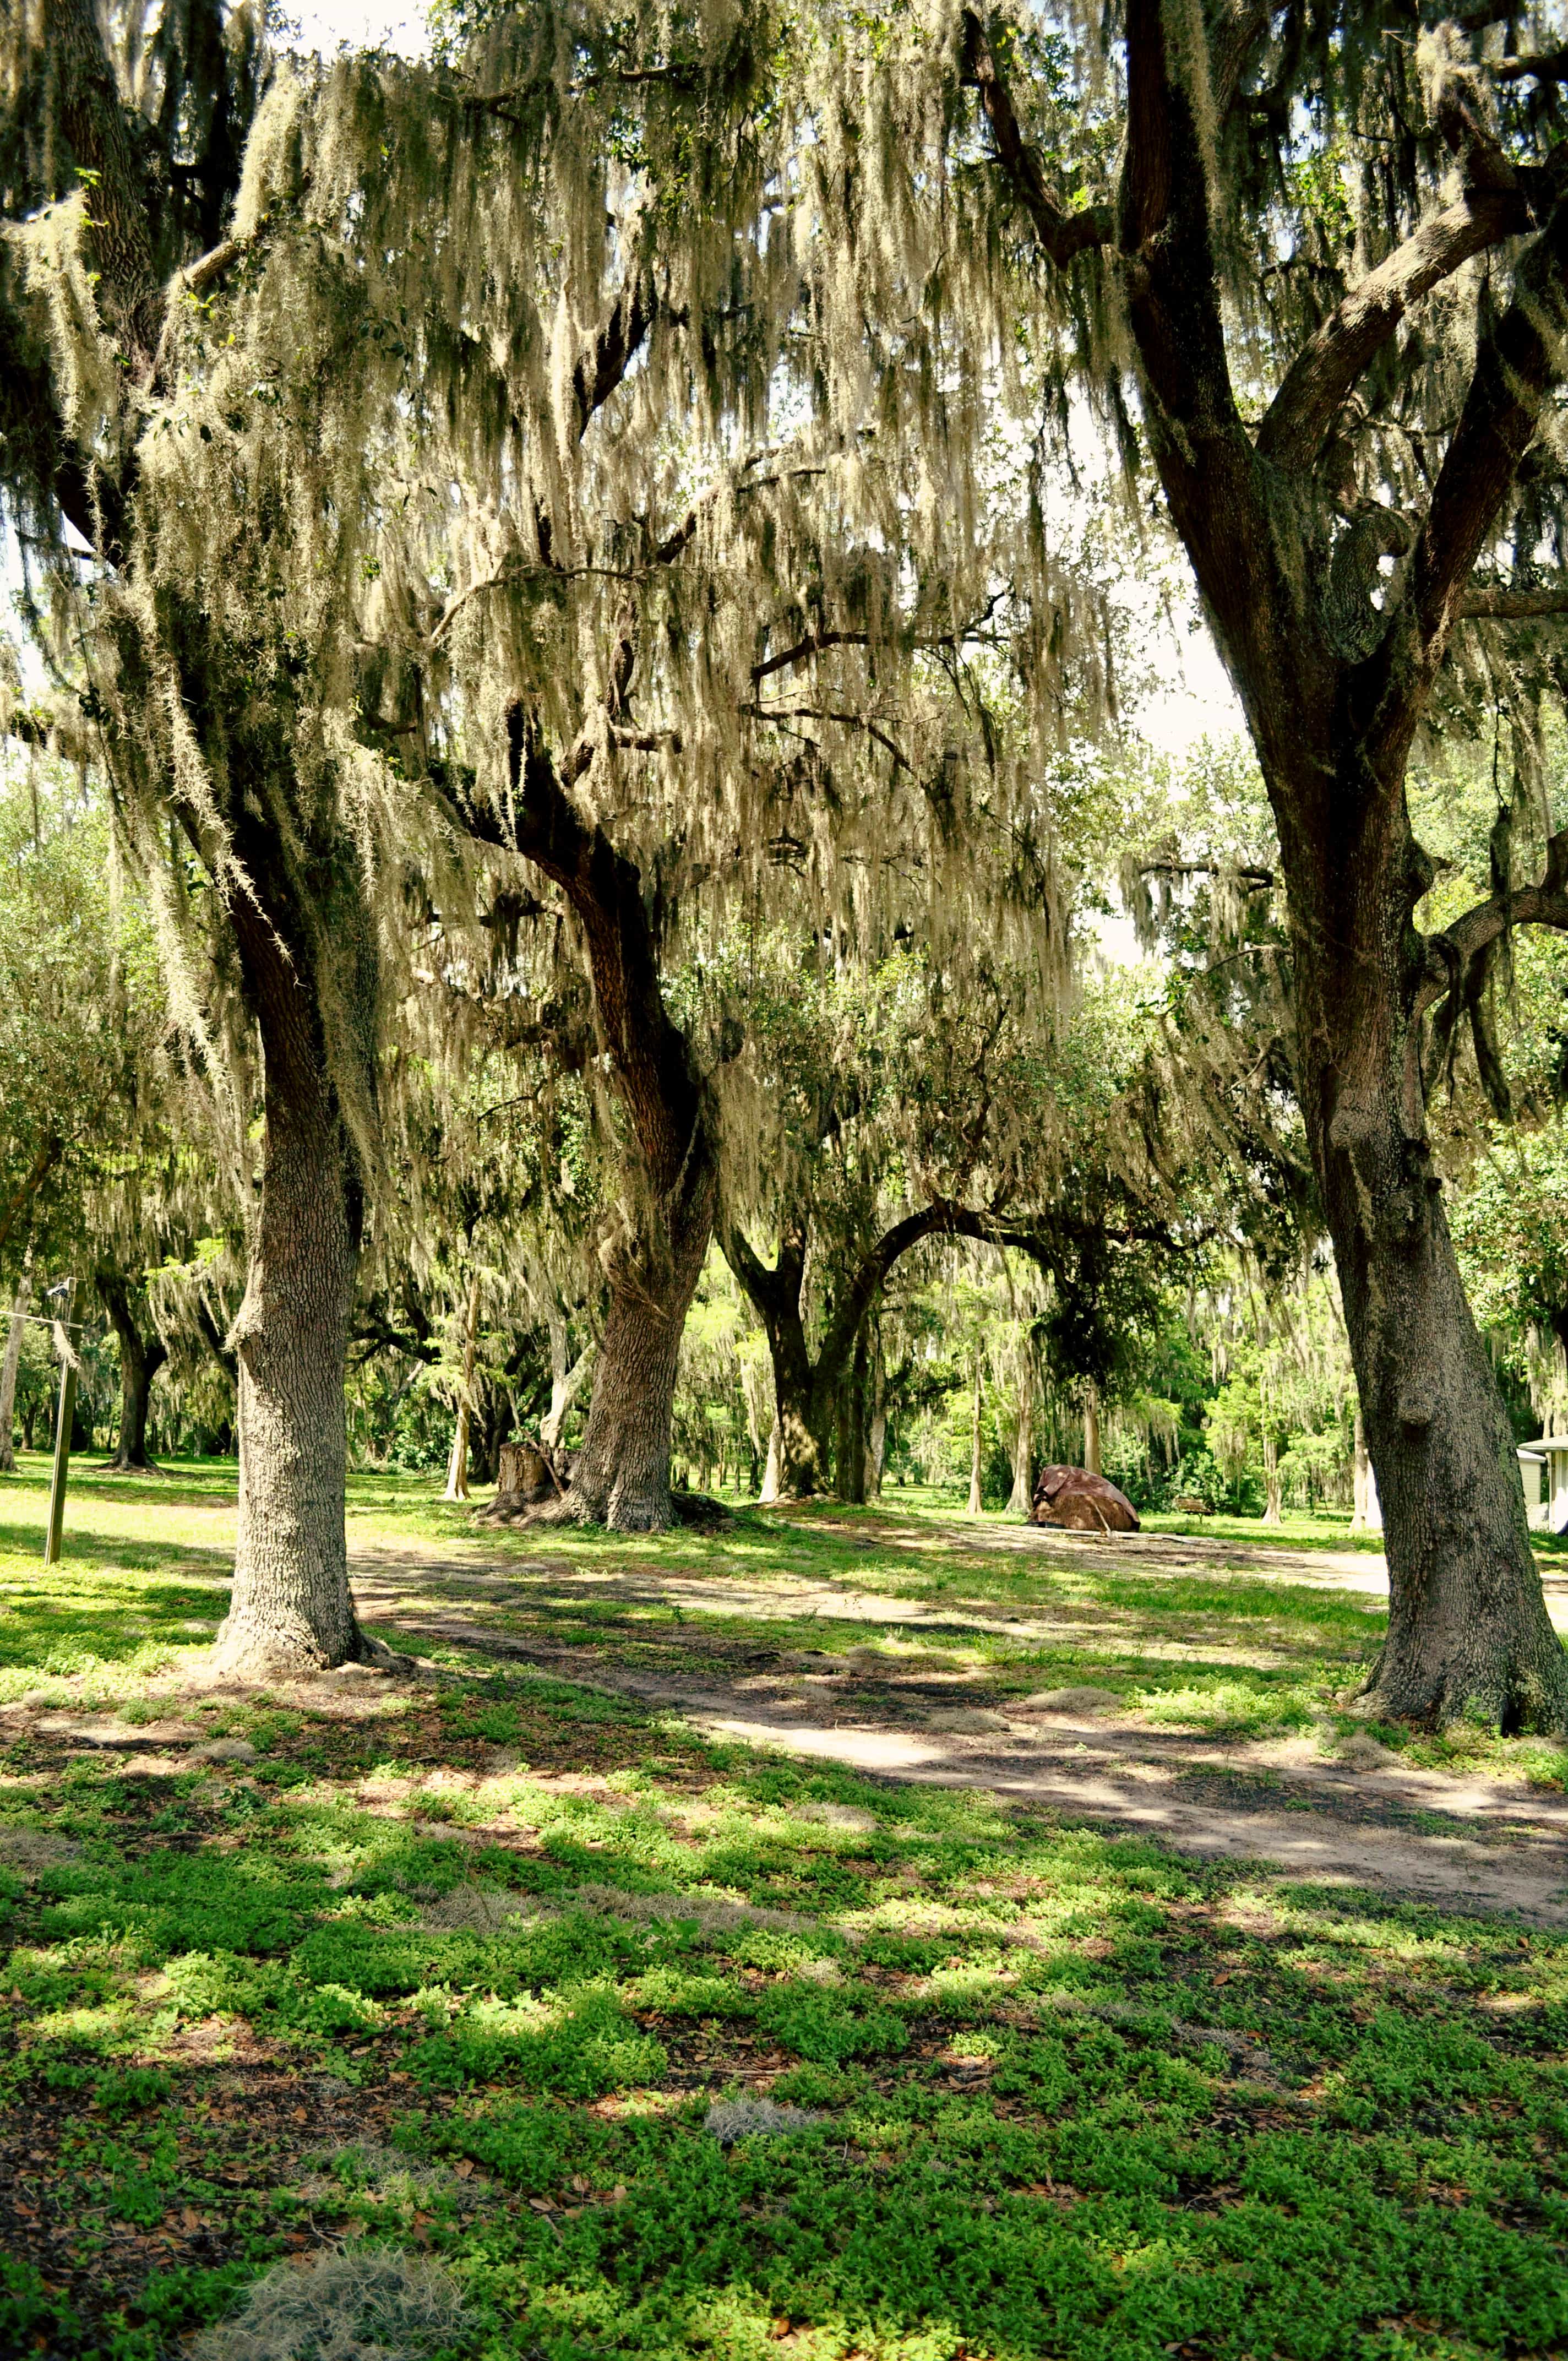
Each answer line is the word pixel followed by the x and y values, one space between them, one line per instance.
pixel 1543 1466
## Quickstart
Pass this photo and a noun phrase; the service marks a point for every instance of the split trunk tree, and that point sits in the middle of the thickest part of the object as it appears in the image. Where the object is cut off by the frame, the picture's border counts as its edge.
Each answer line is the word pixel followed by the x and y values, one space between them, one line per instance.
pixel 809 1390
pixel 1335 664
pixel 142 1354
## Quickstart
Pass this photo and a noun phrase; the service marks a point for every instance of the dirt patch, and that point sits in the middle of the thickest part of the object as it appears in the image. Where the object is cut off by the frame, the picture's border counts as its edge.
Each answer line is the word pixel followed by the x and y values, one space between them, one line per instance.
pixel 1369 1820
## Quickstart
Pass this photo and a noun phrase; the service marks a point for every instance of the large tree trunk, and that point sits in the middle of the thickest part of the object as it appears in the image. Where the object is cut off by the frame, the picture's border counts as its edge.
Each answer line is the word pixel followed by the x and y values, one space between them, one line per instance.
pixel 12 1363
pixel 1468 1629
pixel 1335 688
pixel 669 1195
pixel 621 1475
pixel 291 1611
pixel 876 1429
pixel 141 1358
pixel 850 1457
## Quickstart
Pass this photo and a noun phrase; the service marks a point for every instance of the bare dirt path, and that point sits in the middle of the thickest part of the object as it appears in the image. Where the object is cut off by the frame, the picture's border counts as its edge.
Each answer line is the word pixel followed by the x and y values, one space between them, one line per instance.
pixel 1467 1843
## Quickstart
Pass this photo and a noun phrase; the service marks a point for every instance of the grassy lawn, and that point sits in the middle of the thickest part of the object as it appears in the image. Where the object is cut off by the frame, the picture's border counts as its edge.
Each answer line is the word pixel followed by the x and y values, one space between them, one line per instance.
pixel 552 2031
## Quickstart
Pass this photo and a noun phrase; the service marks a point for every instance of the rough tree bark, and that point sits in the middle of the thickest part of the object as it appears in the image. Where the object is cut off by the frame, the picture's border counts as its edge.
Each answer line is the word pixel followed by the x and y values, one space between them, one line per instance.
pixel 299 922
pixel 654 1256
pixel 141 1358
pixel 291 1609
pixel 12 1362
pixel 1333 701
pixel 876 1429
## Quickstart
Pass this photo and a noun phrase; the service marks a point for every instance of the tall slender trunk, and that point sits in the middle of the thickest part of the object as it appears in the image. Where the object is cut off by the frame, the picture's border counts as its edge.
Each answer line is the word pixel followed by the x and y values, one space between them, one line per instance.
pixel 976 1500
pixel 849 1469
pixel 621 1476
pixel 772 1483
pixel 1272 1490
pixel 141 1358
pixel 1021 1500
pixel 1092 1429
pixel 1366 1515
pixel 457 1461
pixel 876 1431
pixel 12 1363
pixel 806 1394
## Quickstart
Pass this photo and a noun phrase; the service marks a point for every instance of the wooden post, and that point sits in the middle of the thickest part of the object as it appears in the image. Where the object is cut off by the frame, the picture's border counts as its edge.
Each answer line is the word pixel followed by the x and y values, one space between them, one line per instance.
pixel 63 1420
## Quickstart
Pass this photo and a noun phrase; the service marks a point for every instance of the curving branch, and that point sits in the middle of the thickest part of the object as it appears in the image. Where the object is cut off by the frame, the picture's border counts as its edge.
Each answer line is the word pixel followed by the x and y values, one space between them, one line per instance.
pixel 49 1151
pixel 1519 360
pixel 1321 376
pixel 1063 234
pixel 1451 951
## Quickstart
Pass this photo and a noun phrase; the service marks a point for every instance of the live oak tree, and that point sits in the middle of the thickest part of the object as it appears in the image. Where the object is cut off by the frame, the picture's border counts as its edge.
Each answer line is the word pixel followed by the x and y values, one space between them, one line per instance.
pixel 1310 265
pixel 709 545
pixel 192 561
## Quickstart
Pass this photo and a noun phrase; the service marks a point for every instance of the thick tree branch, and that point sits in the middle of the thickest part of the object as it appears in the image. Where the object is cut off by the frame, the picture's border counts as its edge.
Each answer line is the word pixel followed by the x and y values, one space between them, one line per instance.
pixel 652 1070
pixel 1519 361
pixel 601 367
pixel 1063 235
pixel 1450 952
pixel 1546 65
pixel 1328 366
pixel 1493 603
pixel 49 1150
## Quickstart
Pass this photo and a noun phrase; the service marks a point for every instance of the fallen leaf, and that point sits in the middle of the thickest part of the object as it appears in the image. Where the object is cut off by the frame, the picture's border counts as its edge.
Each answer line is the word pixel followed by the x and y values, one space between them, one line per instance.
pixel 464 2167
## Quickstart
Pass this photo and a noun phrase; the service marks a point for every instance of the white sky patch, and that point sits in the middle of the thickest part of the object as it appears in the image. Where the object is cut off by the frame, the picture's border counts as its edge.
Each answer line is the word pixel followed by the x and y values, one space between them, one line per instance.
pixel 326 25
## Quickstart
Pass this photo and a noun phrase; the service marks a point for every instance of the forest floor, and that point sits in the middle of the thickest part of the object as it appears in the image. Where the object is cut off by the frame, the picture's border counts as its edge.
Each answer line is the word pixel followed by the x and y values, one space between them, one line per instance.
pixel 863 1934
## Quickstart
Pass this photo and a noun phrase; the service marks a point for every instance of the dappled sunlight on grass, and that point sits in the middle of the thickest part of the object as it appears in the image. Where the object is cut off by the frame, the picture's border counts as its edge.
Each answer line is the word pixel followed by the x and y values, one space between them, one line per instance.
pixel 462 1966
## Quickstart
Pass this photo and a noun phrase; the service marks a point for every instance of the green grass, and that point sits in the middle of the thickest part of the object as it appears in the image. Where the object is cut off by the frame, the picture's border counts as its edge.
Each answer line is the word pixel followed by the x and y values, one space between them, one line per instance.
pixel 461 1967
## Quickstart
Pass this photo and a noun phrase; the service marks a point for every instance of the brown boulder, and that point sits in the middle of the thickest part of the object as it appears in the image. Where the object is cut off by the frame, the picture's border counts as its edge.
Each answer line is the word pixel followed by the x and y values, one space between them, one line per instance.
pixel 1081 1503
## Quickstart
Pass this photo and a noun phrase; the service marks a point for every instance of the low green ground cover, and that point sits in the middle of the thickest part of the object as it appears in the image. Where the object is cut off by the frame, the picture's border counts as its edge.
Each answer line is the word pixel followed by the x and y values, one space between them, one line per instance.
pixel 463 1969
